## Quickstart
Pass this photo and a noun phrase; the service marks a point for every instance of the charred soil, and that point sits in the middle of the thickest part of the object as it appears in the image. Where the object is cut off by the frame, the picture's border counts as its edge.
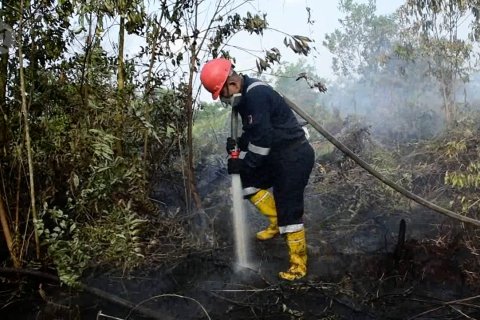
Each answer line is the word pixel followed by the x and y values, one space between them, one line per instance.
pixel 372 255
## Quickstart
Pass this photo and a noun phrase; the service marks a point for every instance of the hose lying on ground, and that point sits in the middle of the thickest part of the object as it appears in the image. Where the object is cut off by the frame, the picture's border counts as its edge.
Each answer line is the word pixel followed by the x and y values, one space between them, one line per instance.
pixel 375 173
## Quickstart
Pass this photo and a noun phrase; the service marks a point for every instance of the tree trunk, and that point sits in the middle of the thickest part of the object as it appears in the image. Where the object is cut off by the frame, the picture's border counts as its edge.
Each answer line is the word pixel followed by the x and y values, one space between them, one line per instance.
pixel 192 186
pixel 189 111
pixel 89 43
pixel 28 143
pixel 9 18
pixel 121 61
pixel 120 85
pixel 8 235
pixel 157 35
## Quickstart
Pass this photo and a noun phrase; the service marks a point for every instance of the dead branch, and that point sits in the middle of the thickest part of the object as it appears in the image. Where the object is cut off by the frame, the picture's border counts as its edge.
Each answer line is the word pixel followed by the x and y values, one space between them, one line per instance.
pixel 450 304
pixel 152 314
pixel 7 234
pixel 169 295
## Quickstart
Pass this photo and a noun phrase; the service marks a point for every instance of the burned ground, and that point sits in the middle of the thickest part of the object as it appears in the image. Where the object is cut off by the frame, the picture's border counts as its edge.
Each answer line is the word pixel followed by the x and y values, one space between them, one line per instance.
pixel 372 255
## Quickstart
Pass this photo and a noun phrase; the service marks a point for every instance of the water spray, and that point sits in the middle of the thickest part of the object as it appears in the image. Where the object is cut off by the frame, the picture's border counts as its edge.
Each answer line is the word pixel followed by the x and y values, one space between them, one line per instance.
pixel 239 225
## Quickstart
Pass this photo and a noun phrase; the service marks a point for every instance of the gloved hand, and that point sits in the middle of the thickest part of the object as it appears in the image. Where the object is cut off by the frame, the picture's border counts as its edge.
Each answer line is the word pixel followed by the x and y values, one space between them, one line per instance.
pixel 234 166
pixel 231 144
pixel 242 143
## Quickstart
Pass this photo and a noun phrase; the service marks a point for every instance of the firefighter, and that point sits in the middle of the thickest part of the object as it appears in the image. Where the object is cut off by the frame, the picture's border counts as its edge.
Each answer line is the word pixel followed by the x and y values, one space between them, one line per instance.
pixel 275 155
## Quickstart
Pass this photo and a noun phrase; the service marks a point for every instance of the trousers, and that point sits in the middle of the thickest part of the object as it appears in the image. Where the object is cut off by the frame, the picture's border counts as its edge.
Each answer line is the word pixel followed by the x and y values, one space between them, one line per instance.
pixel 286 170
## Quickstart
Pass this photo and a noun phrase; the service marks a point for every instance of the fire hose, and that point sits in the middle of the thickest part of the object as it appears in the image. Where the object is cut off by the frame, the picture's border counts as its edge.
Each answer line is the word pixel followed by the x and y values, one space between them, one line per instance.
pixel 375 173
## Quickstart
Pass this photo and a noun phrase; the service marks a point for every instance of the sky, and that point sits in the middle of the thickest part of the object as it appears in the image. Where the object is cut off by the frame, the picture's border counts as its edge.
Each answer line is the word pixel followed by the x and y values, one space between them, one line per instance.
pixel 290 16
pixel 285 17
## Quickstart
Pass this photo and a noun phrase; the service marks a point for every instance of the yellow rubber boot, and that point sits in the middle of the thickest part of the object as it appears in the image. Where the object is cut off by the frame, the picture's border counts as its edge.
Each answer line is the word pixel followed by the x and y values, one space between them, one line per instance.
pixel 297 249
pixel 265 203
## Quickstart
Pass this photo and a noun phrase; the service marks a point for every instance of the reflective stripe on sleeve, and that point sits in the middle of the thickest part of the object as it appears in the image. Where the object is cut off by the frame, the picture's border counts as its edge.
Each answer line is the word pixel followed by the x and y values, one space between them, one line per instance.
pixel 291 228
pixel 258 150
pixel 256 83
pixel 242 154
pixel 307 134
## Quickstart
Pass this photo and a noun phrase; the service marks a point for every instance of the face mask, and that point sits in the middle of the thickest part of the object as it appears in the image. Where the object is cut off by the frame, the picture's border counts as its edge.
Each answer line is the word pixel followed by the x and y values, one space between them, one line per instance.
pixel 232 101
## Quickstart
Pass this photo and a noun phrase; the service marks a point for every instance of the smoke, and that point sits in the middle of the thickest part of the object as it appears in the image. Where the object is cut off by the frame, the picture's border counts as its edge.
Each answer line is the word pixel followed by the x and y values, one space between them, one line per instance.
pixel 402 100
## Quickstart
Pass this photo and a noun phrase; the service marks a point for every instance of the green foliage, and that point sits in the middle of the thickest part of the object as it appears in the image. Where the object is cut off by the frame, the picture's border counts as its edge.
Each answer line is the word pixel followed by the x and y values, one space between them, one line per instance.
pixel 433 36
pixel 464 178
pixel 290 81
pixel 65 248
pixel 116 237
pixel 363 42
pixel 211 128
pixel 93 176
pixel 431 13
pixel 453 148
pixel 287 82
pixel 252 23
pixel 459 154
pixel 93 225
pixel 91 162
pixel 133 11
pixel 470 178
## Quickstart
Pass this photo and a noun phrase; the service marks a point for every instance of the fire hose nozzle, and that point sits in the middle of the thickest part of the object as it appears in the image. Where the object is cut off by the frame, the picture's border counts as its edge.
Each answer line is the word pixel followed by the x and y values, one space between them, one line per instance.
pixel 235 153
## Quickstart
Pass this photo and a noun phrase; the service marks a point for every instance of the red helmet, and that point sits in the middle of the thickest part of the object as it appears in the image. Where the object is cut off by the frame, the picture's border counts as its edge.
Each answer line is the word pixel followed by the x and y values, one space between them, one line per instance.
pixel 214 74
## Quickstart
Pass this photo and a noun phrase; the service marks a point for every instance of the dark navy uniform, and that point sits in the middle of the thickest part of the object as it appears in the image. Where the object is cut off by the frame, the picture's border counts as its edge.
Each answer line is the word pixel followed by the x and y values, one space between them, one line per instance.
pixel 275 151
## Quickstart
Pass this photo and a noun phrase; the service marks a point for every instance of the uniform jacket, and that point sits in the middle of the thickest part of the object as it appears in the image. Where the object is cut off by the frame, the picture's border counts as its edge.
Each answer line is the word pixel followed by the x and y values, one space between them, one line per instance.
pixel 268 123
